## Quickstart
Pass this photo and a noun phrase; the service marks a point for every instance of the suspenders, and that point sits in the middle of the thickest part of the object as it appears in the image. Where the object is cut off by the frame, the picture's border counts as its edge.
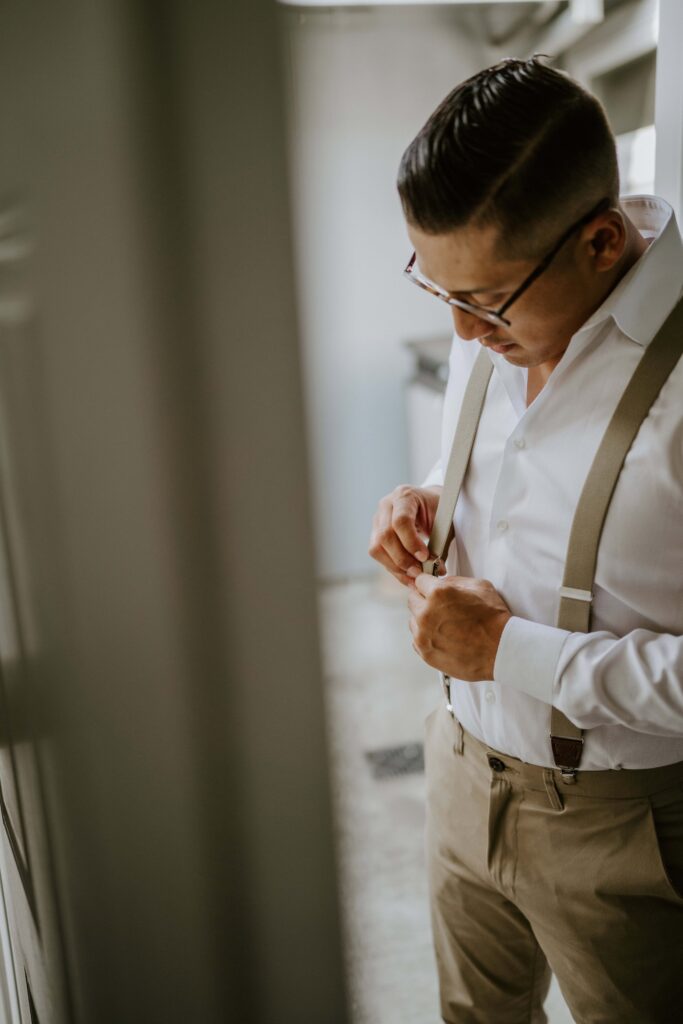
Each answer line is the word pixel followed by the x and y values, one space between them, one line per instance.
pixel 576 595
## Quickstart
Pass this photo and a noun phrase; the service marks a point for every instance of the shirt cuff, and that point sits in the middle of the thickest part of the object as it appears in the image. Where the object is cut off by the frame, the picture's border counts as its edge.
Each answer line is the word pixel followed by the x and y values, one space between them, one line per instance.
pixel 527 657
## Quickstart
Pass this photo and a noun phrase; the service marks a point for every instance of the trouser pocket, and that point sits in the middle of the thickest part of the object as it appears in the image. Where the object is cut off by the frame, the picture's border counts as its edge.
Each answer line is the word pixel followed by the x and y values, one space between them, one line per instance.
pixel 666 832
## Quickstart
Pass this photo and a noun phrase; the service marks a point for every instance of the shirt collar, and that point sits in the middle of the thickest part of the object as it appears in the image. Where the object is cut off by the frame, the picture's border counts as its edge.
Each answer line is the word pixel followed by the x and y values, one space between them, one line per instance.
pixel 646 294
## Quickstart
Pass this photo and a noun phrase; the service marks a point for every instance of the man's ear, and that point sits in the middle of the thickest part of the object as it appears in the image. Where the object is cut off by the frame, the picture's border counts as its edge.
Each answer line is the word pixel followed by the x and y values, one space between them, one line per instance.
pixel 606 240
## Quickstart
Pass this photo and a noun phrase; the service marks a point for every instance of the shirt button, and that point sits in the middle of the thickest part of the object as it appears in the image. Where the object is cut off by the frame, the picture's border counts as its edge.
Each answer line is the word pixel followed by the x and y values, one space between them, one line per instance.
pixel 520 443
pixel 502 525
pixel 490 697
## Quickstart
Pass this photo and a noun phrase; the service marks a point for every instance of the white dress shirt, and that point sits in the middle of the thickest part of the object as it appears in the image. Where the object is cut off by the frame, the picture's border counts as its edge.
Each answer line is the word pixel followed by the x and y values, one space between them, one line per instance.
pixel 623 681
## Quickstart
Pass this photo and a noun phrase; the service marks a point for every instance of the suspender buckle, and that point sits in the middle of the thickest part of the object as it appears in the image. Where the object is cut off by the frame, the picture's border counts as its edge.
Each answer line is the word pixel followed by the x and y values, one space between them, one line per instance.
pixel 431 566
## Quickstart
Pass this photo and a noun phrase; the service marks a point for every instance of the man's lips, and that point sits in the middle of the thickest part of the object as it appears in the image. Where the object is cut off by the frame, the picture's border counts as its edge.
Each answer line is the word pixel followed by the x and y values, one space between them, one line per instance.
pixel 498 346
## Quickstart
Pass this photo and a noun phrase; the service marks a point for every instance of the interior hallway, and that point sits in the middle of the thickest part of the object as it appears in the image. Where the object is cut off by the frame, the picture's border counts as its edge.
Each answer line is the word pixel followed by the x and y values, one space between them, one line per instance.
pixel 378 694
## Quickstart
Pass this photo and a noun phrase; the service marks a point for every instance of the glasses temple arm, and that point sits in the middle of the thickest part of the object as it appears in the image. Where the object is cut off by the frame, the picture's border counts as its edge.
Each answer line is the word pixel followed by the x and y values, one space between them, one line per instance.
pixel 543 265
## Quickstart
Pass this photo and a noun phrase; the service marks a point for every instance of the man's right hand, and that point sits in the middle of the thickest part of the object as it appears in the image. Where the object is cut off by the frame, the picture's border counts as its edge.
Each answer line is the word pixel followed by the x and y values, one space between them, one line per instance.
pixel 400 527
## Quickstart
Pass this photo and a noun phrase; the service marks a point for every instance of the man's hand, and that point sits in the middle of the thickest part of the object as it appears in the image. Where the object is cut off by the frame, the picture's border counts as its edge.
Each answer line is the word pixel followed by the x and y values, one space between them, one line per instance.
pixel 403 520
pixel 456 624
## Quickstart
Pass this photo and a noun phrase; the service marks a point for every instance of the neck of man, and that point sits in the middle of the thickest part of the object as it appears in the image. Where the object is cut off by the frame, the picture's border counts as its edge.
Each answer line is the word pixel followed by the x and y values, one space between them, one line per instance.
pixel 633 250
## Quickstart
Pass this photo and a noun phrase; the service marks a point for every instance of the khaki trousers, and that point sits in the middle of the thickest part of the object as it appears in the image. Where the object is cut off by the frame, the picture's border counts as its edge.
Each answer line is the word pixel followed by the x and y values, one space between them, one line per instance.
pixel 528 874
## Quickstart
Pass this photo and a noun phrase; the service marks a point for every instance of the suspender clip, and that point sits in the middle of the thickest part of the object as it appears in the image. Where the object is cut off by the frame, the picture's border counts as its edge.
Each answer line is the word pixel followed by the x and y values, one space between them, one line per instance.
pixel 446 687
pixel 575 594
pixel 567 755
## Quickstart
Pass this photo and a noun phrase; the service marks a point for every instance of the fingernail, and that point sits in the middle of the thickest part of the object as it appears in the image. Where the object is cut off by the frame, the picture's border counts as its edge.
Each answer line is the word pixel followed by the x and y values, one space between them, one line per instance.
pixel 413 571
pixel 422 556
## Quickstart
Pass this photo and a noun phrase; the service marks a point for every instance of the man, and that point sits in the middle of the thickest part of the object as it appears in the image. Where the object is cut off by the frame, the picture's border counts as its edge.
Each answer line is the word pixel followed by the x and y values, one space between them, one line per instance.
pixel 511 196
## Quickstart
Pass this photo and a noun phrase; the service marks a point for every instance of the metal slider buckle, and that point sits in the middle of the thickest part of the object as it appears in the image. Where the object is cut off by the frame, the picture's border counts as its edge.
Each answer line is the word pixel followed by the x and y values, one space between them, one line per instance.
pixel 575 594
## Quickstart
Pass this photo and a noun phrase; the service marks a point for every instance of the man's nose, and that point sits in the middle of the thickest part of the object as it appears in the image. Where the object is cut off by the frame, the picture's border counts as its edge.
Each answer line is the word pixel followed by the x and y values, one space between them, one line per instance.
pixel 469 326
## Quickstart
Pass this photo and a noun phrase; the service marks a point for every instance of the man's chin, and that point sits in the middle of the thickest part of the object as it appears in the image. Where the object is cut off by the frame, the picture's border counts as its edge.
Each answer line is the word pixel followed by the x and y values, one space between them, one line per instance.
pixel 515 354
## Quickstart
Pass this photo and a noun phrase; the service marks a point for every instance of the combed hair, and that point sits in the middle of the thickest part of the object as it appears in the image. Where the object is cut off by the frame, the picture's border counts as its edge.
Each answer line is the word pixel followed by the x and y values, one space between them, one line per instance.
pixel 519 145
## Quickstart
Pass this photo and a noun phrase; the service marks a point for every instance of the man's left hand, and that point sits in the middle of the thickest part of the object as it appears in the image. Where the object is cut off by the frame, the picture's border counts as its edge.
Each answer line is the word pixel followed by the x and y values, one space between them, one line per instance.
pixel 456 624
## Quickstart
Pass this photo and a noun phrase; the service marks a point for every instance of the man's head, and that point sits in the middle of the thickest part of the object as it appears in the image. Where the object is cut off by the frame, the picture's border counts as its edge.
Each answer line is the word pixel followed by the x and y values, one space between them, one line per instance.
pixel 507 162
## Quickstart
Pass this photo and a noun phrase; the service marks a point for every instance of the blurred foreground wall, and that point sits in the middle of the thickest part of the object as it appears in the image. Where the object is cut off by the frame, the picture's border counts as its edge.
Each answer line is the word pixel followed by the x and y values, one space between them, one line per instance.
pixel 166 845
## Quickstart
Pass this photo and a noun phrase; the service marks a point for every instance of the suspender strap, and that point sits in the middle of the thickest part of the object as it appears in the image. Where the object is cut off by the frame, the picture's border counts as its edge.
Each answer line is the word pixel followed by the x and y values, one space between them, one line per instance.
pixel 576 592
pixel 468 421
pixel 650 375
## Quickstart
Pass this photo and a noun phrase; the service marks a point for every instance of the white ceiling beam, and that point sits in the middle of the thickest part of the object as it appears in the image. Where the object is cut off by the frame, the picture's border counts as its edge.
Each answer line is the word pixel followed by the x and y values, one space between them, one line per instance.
pixel 562 33
pixel 587 12
pixel 393 3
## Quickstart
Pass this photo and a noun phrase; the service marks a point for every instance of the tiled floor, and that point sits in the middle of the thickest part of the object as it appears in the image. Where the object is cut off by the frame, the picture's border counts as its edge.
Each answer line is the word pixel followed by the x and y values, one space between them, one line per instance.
pixel 379 693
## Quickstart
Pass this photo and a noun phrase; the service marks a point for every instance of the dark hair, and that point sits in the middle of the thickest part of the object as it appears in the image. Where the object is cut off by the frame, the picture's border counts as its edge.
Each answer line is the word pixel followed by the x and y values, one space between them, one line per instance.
pixel 519 145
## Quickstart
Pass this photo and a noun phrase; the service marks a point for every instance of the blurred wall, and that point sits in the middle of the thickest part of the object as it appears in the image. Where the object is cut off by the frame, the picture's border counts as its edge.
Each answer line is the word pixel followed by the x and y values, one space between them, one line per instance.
pixel 164 665
pixel 361 84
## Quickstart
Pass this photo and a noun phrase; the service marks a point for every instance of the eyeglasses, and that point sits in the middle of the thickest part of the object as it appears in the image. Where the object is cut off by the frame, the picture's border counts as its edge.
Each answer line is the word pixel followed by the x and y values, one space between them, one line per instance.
pixel 496 316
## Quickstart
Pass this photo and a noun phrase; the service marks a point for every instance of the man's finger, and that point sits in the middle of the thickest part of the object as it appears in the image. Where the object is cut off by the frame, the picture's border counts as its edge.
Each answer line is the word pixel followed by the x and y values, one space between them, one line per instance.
pixel 426 583
pixel 403 522
pixel 401 558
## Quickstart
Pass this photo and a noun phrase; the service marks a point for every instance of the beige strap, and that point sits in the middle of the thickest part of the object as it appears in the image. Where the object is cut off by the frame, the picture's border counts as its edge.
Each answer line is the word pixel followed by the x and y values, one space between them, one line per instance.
pixel 647 380
pixel 468 421
pixel 576 592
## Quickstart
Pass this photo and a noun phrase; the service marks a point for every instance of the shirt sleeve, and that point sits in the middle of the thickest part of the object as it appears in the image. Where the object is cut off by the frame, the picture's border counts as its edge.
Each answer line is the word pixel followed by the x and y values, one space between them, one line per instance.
pixel 434 476
pixel 597 678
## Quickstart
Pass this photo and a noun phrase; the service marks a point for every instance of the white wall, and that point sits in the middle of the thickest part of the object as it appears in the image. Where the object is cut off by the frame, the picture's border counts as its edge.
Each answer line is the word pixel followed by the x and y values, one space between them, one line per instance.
pixel 669 106
pixel 361 83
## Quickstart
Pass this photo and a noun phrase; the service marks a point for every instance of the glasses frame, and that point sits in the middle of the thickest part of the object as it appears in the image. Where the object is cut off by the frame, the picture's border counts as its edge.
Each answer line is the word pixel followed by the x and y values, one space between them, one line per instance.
pixel 495 316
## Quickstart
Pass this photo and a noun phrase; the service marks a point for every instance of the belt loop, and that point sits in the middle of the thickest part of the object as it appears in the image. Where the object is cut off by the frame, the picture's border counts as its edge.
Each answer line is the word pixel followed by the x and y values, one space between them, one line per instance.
pixel 459 736
pixel 552 790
